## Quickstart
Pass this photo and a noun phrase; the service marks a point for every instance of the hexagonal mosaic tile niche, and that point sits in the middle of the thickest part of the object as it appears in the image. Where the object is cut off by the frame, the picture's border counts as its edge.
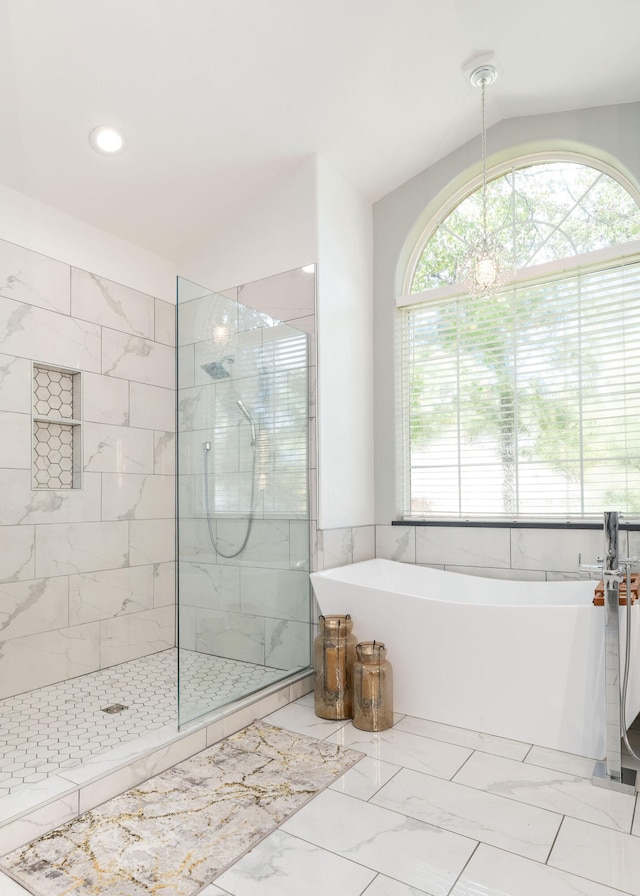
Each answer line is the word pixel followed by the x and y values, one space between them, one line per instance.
pixel 56 428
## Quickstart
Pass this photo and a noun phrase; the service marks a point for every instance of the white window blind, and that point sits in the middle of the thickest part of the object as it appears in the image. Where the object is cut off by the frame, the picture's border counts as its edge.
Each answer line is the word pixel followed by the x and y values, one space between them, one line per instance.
pixel 525 404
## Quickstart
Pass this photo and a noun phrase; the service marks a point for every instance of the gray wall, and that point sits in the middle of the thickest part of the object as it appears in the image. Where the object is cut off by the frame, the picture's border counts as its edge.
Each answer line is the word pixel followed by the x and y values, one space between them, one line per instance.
pixel 609 134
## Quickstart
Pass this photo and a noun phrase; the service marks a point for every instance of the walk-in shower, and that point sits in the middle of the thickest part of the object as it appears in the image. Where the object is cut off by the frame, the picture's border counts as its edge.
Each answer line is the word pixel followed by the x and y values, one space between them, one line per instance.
pixel 243 556
pixel 243 496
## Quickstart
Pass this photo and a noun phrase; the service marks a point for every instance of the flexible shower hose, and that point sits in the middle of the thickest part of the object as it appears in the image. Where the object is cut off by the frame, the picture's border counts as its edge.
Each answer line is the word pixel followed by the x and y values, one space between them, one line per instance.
pixel 205 471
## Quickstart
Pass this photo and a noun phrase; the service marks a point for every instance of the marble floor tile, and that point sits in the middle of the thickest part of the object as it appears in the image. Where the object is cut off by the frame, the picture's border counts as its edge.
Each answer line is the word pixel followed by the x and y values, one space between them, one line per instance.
pixel 9 887
pixel 608 857
pixel 306 700
pixel 385 886
pixel 365 778
pixel 525 830
pixel 301 718
pixel 492 872
pixel 548 789
pixel 569 763
pixel 404 849
pixel 422 754
pixel 283 865
pixel 474 740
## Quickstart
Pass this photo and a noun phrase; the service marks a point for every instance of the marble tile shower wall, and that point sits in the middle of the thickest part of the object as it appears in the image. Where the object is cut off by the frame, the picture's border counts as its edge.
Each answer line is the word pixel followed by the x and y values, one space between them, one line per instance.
pixel 86 574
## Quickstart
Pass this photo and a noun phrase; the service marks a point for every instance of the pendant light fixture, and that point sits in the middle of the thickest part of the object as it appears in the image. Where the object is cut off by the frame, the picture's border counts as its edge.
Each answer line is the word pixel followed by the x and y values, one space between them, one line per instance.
pixel 482 270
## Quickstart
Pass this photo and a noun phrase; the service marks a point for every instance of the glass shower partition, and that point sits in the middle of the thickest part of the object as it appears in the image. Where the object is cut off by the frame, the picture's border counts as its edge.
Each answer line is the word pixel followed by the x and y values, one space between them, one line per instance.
pixel 244 610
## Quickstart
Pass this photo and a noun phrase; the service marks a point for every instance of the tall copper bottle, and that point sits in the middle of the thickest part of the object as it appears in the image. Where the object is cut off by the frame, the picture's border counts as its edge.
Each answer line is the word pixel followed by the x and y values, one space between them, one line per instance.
pixel 372 688
pixel 334 654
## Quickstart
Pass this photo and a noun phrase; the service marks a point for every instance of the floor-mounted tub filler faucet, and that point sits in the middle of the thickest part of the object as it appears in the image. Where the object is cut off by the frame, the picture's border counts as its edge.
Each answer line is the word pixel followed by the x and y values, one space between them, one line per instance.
pixel 610 773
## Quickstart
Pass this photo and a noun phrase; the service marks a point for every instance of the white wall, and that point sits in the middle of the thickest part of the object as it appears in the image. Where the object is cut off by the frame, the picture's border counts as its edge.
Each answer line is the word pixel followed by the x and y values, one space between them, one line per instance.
pixel 611 134
pixel 345 354
pixel 46 230
pixel 276 233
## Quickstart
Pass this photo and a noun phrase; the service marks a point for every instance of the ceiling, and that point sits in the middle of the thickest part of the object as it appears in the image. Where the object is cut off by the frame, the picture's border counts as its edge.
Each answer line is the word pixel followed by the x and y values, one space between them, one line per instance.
pixel 220 98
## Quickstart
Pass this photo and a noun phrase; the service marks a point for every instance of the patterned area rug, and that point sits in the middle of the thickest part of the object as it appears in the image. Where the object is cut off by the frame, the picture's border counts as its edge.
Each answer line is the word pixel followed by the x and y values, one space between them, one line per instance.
pixel 173 834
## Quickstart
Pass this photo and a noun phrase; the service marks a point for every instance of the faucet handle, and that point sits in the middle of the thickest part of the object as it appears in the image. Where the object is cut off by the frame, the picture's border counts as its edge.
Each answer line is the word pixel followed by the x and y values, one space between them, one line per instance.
pixel 591 567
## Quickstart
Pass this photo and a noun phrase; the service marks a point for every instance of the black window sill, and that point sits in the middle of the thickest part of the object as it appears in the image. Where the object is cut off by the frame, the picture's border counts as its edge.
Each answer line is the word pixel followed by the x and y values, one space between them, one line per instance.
pixel 632 526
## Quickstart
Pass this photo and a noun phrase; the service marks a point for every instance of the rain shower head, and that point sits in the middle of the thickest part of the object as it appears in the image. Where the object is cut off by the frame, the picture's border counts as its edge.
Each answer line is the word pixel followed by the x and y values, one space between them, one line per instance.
pixel 216 369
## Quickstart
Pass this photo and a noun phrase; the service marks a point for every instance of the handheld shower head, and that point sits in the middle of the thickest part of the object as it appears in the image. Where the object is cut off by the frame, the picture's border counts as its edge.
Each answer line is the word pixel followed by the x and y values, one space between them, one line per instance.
pixel 246 413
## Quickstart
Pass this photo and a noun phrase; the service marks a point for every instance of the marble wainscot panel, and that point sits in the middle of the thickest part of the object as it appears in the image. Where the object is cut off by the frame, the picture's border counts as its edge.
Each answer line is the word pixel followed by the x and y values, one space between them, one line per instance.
pixel 128 637
pixel 137 497
pixel 15 445
pixel 69 652
pixel 335 547
pixel 34 279
pixel 463 546
pixel 151 541
pixel 15 384
pixel 68 548
pixel 111 304
pixel 165 322
pixel 231 635
pixel 279 593
pixel 20 505
pixel 299 548
pixel 396 543
pixel 152 407
pixel 134 358
pixel 164 584
pixel 17 553
pixel 550 549
pixel 117 449
pixel 35 333
pixel 164 452
pixel 105 399
pixel 185 826
pixel 211 585
pixel 268 544
pixel 287 644
pixel 105 594
pixel 37 605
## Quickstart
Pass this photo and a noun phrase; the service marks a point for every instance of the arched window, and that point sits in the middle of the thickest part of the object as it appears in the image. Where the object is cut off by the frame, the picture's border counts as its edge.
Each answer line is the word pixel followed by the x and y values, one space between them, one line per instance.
pixel 526 403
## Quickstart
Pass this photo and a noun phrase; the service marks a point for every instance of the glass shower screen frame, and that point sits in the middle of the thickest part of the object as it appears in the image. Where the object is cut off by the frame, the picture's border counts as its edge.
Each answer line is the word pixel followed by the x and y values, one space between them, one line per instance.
pixel 243 597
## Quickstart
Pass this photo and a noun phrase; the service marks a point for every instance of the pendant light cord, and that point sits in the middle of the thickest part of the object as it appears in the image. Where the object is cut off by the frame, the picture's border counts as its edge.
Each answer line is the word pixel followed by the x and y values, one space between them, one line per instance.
pixel 484 163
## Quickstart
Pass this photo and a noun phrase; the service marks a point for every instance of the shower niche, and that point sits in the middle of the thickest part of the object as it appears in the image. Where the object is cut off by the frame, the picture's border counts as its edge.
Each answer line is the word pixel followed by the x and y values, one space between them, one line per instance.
pixel 56 447
pixel 243 490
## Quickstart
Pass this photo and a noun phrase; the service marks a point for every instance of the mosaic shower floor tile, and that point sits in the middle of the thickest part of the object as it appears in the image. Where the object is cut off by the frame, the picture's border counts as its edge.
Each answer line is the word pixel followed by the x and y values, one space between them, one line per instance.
pixel 61 726
pixel 173 834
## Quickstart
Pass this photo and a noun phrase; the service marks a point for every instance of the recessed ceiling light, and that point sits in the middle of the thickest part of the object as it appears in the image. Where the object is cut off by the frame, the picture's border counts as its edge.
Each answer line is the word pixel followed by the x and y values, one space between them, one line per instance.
pixel 107 140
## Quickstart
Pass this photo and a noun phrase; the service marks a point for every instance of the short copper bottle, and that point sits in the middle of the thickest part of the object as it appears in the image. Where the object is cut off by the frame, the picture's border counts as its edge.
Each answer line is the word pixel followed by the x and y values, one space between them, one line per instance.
pixel 334 654
pixel 372 688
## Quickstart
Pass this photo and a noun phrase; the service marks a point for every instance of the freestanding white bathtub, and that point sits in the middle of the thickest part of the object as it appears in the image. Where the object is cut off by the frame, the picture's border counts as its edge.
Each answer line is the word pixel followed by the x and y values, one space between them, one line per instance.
pixel 522 660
